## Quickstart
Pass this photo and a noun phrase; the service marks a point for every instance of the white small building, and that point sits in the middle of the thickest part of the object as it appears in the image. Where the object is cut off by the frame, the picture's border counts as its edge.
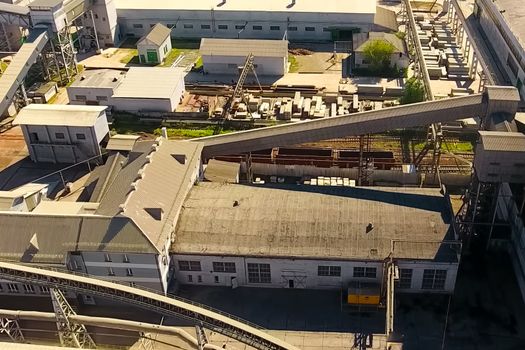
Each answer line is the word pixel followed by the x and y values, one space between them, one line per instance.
pixel 225 56
pixel 155 46
pixel 63 133
pixel 94 87
pixel 282 237
pixel 399 57
pixel 149 89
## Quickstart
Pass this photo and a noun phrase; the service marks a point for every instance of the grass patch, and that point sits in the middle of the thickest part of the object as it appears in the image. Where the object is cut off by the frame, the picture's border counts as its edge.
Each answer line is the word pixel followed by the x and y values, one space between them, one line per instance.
pixel 126 123
pixel 198 63
pixel 294 65
pixel 190 133
pixel 131 57
pixel 171 57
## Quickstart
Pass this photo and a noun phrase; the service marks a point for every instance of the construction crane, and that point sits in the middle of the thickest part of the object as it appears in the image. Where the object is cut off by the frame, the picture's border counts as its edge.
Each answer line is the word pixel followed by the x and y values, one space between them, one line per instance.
pixel 238 92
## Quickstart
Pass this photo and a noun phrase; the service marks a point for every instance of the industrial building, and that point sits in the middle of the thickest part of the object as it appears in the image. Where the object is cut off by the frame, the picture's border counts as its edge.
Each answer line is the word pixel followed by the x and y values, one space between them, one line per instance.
pixel 502 23
pixel 289 237
pixel 273 19
pixel 155 46
pixel 124 230
pixel 398 58
pixel 140 89
pixel 63 134
pixel 225 56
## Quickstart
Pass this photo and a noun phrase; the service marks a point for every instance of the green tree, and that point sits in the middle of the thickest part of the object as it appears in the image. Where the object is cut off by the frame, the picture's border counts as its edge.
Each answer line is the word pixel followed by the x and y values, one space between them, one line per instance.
pixel 378 53
pixel 414 91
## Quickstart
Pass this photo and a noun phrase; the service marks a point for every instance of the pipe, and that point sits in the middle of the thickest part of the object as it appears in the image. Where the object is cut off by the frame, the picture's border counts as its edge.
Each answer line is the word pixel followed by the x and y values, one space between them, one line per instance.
pixel 113 323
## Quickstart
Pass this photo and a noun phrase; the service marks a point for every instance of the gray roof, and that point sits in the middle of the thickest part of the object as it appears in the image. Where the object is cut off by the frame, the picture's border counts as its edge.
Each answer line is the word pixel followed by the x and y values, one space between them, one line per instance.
pixel 122 142
pixel 513 13
pixel 362 39
pixel 100 78
pixel 502 93
pixel 156 36
pixel 243 47
pixel 59 115
pixel 58 234
pixel 386 19
pixel 502 141
pixel 150 82
pixel 313 222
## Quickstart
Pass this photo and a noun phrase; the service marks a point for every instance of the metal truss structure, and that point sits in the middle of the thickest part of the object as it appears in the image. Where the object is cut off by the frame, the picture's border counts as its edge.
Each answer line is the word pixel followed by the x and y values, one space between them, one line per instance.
pixel 71 334
pixel 12 329
pixel 214 320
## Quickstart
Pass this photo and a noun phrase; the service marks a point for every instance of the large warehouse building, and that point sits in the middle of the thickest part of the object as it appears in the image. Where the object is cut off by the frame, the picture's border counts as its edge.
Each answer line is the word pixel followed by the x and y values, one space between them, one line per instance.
pixel 272 19
pixel 290 237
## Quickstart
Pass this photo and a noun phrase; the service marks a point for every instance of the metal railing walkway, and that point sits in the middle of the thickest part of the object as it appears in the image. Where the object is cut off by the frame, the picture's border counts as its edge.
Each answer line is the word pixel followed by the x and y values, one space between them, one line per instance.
pixel 212 319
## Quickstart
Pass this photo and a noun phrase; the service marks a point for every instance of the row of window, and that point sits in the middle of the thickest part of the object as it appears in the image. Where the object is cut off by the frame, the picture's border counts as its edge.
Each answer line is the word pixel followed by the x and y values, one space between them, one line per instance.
pixel 237 27
pixel 27 288
pixel 58 135
pixel 84 98
pixel 260 273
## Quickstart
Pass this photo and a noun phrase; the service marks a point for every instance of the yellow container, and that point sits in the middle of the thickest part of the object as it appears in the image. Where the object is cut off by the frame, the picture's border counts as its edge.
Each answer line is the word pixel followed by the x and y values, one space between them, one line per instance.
pixel 356 299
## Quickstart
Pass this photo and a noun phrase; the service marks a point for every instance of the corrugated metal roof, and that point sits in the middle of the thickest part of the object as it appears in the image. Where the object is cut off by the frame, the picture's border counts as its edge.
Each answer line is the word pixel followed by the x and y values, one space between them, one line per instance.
pixel 156 36
pixel 72 115
pixel 122 142
pixel 502 141
pixel 150 82
pixel 58 234
pixel 99 78
pixel 221 171
pixel 313 222
pixel 243 47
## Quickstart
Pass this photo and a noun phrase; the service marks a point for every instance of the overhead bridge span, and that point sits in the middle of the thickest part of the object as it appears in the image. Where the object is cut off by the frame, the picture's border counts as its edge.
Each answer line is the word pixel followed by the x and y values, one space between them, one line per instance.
pixel 369 122
pixel 169 306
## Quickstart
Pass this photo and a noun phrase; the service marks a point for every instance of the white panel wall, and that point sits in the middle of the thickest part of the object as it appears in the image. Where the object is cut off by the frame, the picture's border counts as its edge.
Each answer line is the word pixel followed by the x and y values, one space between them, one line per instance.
pixel 284 269
pixel 218 64
pixel 137 105
pixel 92 95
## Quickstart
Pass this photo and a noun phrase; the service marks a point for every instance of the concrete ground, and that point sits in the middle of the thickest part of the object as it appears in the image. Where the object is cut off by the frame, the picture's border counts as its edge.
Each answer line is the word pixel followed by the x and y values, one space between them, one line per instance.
pixel 12 147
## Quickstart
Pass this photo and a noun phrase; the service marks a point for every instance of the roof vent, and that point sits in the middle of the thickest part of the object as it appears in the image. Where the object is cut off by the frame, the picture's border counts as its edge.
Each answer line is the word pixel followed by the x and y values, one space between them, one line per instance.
pixel 369 227
pixel 181 158
pixel 236 204
pixel 223 2
pixel 83 77
pixel 155 213
pixel 114 79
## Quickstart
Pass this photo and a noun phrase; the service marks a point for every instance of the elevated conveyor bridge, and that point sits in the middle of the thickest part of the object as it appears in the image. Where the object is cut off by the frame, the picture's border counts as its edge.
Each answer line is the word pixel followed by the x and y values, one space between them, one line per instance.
pixel 150 300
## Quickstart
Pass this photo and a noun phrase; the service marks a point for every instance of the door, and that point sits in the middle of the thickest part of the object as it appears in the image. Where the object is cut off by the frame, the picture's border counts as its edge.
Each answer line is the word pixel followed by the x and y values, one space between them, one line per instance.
pixel 152 57
pixel 291 284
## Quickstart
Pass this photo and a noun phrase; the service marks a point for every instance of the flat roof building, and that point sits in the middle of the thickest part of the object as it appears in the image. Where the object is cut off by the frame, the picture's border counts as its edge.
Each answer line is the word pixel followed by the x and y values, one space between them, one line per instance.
pixel 225 56
pixel 300 20
pixel 63 133
pixel 292 231
pixel 94 86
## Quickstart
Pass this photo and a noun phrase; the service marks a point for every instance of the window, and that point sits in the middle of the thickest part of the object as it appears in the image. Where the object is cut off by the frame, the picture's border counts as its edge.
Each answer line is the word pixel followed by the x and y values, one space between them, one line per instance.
pixel 224 267
pixel 80 97
pixel 232 65
pixel 199 278
pixel 81 136
pixel 102 98
pixel 216 279
pixel 125 258
pixel 75 265
pixel 34 137
pixel 189 265
pixel 129 272
pixel 223 26
pixel 137 26
pixel 259 273
pixel 326 29
pixel 275 28
pixel 12 287
pixel 205 26
pixel 292 29
pixel 366 272
pixel 434 279
pixel 257 27
pixel 329 270
pixel 29 289
pixel 166 49
pixel 309 29
pixel 405 278
pixel 43 289
pixel 111 272
pixel 190 278
pixel 239 26
pixel 188 26
pixel 171 25
pixel 107 257
pixel 60 135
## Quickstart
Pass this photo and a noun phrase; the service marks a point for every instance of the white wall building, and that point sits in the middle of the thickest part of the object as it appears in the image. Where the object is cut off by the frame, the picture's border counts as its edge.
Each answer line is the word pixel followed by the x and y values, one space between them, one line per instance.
pixel 155 46
pixel 147 89
pixel 234 235
pixel 63 133
pixel 271 19
pixel 94 87
pixel 225 56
